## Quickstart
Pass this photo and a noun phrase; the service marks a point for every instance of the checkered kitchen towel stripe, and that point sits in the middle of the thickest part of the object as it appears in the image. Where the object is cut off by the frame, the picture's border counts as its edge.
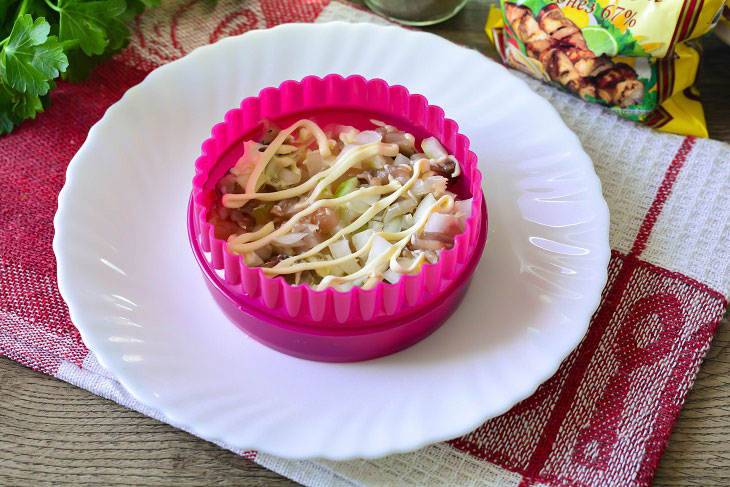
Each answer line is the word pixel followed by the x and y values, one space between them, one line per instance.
pixel 606 415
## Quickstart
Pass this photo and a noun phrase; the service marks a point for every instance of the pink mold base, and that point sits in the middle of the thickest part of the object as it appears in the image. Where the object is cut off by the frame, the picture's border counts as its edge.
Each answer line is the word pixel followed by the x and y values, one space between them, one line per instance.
pixel 338 344
pixel 298 320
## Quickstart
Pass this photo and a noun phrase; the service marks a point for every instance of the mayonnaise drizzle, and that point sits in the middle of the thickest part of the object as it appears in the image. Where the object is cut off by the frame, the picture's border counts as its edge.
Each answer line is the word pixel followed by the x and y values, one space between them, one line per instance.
pixel 418 167
pixel 239 243
pixel 443 205
pixel 320 181
pixel 322 141
pixel 371 273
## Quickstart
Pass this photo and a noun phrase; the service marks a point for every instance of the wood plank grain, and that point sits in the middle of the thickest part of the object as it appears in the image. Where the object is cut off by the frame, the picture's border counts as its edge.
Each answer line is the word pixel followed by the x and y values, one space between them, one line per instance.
pixel 52 432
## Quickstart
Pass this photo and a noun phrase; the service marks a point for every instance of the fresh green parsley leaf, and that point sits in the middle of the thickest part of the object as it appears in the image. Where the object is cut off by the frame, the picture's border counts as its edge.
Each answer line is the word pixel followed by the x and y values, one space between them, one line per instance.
pixel 136 7
pixel 31 58
pixel 6 112
pixel 95 24
pixel 41 40
pixel 80 65
pixel 16 106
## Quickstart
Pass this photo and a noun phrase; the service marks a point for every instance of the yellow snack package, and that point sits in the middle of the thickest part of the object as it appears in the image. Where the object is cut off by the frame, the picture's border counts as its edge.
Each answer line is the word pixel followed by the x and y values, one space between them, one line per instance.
pixel 577 46
pixel 723 27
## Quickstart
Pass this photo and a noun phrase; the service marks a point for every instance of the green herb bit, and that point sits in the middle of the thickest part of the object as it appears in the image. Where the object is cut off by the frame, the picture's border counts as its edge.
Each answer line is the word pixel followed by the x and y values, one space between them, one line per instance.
pixel 326 194
pixel 262 212
pixel 345 187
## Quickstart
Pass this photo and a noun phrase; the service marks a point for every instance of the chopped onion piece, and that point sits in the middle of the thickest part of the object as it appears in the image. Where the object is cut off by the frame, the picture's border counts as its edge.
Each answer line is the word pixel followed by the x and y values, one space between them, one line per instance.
pixel 345 286
pixel 401 159
pixel 363 203
pixel 289 238
pixel 394 225
pixel 251 259
pixel 289 177
pixel 424 244
pixel 378 161
pixel 375 225
pixel 391 276
pixel 367 137
pixel 340 249
pixel 347 216
pixel 433 184
pixel 360 239
pixel 433 148
pixel 380 246
pixel 463 207
pixel 442 223
pixel 314 162
pixel 399 208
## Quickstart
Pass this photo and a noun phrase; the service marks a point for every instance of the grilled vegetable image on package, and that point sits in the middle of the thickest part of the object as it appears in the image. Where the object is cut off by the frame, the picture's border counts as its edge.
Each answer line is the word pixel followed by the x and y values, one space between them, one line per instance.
pixel 635 57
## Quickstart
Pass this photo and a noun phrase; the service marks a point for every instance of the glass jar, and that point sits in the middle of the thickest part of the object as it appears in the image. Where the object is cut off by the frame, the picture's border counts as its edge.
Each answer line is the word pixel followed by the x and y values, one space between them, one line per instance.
pixel 417 12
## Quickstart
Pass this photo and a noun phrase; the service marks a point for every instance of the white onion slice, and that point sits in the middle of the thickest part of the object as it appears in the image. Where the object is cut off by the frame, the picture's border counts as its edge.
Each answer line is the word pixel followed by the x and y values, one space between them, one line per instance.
pixel 251 259
pixel 289 177
pixel 340 249
pixel 360 239
pixel 380 246
pixel 433 148
pixel 463 207
pixel 401 159
pixel 345 286
pixel 423 244
pixel 289 238
pixel 442 224
pixel 363 203
pixel 393 225
pixel 375 225
pixel 391 276
pixel 314 162
pixel 399 208
pixel 367 137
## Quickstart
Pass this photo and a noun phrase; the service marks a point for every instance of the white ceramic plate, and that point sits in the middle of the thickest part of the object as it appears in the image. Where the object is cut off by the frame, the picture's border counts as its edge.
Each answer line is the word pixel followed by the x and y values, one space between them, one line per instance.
pixel 138 298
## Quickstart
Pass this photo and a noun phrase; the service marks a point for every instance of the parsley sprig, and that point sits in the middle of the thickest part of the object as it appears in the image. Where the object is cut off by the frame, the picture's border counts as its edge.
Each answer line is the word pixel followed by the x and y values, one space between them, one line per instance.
pixel 42 40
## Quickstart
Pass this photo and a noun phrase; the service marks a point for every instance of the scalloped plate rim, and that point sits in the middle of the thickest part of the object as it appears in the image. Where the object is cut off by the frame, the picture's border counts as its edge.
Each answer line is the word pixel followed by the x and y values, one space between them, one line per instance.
pixel 95 343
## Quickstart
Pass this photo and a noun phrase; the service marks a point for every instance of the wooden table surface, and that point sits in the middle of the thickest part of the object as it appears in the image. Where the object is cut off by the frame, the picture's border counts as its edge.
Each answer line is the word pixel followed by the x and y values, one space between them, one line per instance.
pixel 53 432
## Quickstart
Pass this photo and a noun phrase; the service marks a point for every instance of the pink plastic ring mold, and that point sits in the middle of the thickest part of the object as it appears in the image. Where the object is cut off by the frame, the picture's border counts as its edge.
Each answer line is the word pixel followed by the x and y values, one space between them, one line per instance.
pixel 330 325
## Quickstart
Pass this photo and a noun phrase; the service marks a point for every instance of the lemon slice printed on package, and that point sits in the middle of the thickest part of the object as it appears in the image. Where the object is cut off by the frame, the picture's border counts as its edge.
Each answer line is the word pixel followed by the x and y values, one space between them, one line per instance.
pixel 600 41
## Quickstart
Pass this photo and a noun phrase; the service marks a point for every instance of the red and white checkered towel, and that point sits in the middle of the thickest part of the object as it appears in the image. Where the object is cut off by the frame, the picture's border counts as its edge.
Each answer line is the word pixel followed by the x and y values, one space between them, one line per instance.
pixel 602 420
